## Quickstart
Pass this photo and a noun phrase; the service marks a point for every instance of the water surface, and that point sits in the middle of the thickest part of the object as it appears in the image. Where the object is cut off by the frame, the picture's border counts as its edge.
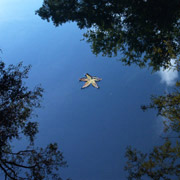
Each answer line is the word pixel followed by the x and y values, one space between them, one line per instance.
pixel 93 127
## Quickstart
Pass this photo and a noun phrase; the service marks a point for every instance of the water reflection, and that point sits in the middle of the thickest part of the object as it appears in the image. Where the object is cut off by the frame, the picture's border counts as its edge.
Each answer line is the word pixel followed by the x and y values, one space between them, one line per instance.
pixel 94 127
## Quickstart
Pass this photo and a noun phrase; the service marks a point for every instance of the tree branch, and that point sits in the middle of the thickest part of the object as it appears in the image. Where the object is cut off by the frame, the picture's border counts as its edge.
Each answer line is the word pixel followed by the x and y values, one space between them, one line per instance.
pixel 19 153
pixel 6 173
pixel 18 165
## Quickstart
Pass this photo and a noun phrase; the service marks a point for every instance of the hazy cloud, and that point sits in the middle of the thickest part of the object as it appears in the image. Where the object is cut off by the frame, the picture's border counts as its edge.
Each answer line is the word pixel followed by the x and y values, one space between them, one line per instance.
pixel 168 76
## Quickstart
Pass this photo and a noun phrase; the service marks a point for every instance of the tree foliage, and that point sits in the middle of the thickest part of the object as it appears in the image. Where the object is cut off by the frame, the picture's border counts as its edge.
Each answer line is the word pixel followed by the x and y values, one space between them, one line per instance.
pixel 163 162
pixel 142 31
pixel 17 103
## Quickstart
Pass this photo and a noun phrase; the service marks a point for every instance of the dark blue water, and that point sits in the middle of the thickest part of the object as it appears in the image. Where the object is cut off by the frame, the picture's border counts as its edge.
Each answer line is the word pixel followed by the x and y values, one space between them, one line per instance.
pixel 93 127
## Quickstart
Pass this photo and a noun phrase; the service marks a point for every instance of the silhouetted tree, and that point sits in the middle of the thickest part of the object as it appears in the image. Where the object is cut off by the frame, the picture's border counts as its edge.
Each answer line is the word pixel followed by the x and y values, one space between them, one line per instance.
pixel 163 162
pixel 17 103
pixel 143 31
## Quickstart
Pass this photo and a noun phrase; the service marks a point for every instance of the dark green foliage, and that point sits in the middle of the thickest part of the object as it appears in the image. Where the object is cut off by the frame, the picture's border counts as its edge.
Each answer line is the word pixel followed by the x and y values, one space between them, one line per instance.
pixel 17 103
pixel 143 31
pixel 163 162
pixel 168 107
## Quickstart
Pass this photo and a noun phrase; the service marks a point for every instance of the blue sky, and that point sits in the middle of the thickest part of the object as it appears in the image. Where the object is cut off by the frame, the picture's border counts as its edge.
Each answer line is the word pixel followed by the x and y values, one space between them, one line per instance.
pixel 92 127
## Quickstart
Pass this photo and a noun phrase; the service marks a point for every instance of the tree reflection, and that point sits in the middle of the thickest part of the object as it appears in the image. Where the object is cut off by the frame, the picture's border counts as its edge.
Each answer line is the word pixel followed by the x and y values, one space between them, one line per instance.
pixel 17 103
pixel 163 161
pixel 144 32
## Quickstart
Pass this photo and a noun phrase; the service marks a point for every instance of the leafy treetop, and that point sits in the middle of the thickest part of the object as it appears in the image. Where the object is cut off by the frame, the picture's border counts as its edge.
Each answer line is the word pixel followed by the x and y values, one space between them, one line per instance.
pixel 17 103
pixel 163 161
pixel 143 31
